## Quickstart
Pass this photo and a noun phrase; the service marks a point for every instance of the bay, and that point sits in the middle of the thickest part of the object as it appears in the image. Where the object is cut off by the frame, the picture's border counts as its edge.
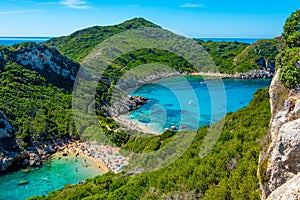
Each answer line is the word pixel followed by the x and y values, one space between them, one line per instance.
pixel 191 102
pixel 53 175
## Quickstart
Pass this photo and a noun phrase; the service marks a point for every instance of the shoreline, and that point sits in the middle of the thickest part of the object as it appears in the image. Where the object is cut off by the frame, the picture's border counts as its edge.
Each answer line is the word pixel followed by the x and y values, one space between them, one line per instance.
pixel 105 157
pixel 132 125
pixel 253 74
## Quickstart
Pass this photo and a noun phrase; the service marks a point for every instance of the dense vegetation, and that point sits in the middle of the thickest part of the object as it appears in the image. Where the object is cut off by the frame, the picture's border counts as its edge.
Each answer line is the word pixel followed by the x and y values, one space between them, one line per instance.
pixel 79 44
pixel 289 57
pixel 228 172
pixel 230 57
pixel 39 111
pixel 224 53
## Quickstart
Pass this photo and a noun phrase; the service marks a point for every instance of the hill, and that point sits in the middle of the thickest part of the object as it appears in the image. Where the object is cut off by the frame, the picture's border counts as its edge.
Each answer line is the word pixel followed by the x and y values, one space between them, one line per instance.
pixel 227 172
pixel 80 43
pixel 233 57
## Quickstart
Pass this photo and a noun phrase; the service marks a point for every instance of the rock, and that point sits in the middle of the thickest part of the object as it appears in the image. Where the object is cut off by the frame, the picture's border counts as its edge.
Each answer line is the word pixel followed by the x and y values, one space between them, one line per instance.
pixel 288 191
pixel 48 150
pixel 279 161
pixel 297 108
pixel 5 163
pixel 6 129
pixel 34 159
pixel 285 160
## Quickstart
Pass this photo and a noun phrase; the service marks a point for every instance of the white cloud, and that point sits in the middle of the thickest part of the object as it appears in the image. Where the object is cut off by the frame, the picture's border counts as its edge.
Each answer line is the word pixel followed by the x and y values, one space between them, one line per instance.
pixel 12 12
pixel 191 5
pixel 76 4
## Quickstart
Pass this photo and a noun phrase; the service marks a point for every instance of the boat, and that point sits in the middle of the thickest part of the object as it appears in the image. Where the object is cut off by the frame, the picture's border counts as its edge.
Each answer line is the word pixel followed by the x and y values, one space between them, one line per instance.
pixel 191 102
pixel 174 128
pixel 182 126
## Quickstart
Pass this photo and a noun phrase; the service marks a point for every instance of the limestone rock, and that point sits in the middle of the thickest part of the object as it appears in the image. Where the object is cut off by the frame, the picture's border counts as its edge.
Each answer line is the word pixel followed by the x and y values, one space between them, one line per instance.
pixel 279 161
pixel 34 159
pixel 285 160
pixel 289 191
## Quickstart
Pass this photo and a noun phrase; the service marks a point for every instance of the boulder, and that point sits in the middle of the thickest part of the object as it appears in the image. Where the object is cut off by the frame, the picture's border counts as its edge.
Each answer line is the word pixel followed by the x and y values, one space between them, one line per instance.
pixel 34 159
pixel 285 160
pixel 5 163
pixel 288 191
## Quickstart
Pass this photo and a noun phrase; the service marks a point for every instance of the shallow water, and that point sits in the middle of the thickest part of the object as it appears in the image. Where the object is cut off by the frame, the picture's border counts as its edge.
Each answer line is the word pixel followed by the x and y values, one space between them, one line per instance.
pixel 191 102
pixel 51 176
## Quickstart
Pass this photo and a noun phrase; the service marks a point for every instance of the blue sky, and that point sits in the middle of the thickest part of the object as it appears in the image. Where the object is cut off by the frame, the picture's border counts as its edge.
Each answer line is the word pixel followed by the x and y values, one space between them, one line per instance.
pixel 192 18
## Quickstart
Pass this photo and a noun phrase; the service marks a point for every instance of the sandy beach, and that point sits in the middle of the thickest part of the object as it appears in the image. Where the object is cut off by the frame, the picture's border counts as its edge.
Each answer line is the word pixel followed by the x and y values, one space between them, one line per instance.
pixel 104 156
pixel 134 125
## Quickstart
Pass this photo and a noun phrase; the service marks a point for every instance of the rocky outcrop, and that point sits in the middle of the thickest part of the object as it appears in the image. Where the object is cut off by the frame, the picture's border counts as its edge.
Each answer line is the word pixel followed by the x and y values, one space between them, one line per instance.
pixel 133 81
pixel 125 105
pixel 122 103
pixel 254 74
pixel 279 161
pixel 6 129
pixel 288 191
pixel 12 157
pixel 56 68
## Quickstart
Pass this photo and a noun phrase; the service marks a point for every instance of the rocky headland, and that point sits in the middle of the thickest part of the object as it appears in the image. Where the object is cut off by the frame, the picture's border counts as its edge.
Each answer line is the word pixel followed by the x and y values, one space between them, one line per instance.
pixel 279 162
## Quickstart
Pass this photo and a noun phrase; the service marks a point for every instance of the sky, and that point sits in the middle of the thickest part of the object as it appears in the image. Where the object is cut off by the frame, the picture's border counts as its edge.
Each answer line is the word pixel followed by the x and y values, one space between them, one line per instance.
pixel 191 18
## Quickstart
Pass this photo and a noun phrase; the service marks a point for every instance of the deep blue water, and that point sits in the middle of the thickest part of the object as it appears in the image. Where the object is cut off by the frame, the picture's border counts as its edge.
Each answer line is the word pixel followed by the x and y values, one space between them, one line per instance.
pixel 189 101
pixel 245 40
pixel 9 41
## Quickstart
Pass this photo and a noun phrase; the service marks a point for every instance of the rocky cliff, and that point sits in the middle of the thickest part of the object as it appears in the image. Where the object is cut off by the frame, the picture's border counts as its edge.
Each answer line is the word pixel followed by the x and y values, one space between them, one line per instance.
pixel 279 162
pixel 56 68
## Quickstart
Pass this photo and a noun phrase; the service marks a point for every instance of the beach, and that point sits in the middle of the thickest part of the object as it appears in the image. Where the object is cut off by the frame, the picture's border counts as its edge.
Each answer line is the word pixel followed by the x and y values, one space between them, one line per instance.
pixel 131 125
pixel 104 156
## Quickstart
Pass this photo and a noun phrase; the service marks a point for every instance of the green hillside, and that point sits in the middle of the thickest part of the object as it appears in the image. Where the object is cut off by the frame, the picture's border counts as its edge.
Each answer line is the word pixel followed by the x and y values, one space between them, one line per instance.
pixel 80 43
pixel 232 57
pixel 228 172
pixel 229 57
pixel 39 111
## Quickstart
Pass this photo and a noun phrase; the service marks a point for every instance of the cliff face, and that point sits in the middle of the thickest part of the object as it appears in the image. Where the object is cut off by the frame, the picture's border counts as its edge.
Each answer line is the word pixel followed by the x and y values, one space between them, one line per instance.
pixel 279 161
pixel 56 68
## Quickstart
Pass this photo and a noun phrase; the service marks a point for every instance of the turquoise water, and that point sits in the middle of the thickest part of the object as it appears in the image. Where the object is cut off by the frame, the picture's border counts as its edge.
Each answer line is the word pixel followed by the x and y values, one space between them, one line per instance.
pixel 191 102
pixel 9 41
pixel 46 179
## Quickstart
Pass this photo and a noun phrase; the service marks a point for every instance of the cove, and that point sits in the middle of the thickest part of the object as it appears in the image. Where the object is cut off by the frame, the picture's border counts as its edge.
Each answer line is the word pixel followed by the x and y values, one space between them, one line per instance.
pixel 187 102
pixel 53 175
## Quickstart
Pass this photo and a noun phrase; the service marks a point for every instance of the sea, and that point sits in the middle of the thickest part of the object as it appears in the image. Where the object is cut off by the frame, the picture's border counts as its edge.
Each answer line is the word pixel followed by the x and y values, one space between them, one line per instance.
pixel 9 41
pixel 189 102
pixel 242 40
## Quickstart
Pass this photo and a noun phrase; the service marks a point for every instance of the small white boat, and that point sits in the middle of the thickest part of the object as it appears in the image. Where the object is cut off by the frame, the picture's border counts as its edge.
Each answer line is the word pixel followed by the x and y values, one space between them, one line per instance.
pixel 191 102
